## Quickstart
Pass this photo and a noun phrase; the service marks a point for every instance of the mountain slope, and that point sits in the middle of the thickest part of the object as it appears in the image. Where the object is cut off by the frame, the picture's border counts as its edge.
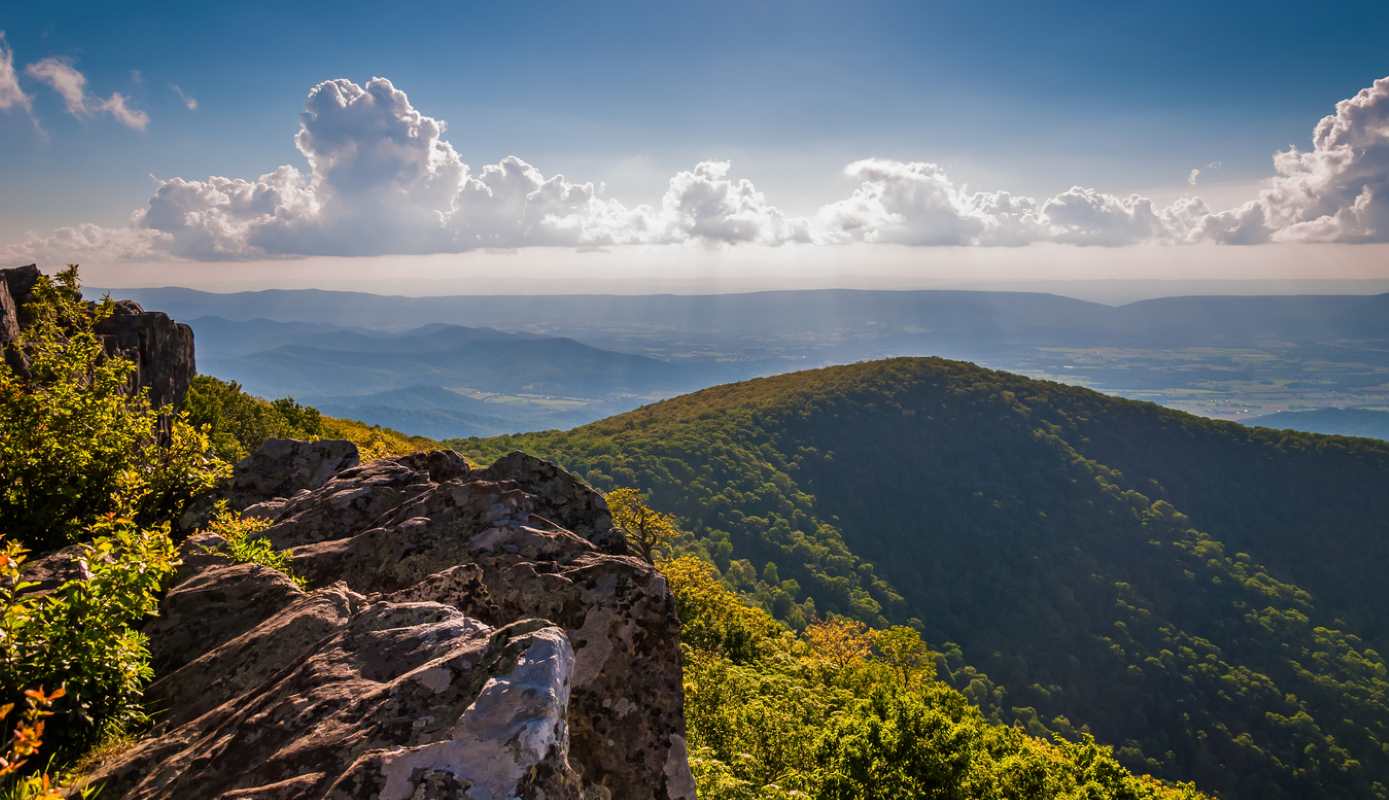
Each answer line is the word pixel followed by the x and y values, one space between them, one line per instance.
pixel 1196 592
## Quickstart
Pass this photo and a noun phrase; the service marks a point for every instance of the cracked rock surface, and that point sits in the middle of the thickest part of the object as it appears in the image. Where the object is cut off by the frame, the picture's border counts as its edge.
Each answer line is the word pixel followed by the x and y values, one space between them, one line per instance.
pixel 477 634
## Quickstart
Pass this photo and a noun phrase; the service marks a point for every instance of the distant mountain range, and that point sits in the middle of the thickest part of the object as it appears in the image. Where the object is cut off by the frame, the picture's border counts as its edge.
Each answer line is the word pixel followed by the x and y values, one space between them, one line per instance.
pixel 443 380
pixel 474 365
pixel 1200 593
pixel 1368 422
pixel 820 316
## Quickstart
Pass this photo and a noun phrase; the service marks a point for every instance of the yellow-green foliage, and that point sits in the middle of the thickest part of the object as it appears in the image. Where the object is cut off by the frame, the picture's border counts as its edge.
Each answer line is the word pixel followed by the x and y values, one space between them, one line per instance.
pixel 829 716
pixel 647 530
pixel 74 443
pixel 238 423
pixel 245 544
pixel 374 441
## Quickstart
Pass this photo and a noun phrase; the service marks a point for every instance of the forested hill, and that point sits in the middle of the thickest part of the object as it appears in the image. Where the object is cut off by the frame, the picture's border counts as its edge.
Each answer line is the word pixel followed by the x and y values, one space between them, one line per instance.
pixel 1207 596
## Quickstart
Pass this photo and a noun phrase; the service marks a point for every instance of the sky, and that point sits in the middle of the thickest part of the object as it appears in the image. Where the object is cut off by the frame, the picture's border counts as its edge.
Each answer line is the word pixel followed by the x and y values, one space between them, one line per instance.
pixel 699 146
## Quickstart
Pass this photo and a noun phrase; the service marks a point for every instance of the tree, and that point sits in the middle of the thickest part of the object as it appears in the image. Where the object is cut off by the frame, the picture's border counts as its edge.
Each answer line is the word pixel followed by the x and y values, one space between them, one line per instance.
pixel 901 648
pixel 645 528
pixel 839 642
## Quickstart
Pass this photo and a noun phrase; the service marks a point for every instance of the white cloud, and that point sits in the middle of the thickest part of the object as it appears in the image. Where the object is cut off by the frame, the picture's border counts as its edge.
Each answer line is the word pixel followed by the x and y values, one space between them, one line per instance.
pixel 70 84
pixel 916 203
pixel 1192 177
pixel 381 178
pixel 79 242
pixel 63 78
pixel 513 204
pixel 117 106
pixel 706 204
pixel 11 93
pixel 1339 190
pixel 189 102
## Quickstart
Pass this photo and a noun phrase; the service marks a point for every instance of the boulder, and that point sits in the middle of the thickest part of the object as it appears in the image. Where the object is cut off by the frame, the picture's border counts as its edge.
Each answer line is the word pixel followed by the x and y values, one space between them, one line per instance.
pixel 282 467
pixel 460 641
pixel 262 482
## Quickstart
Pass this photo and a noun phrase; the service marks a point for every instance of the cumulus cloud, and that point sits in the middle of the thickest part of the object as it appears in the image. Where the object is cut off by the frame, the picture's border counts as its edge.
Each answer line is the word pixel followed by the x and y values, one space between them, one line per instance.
pixel 1339 190
pixel 706 204
pixel 916 203
pixel 380 177
pixel 11 93
pixel 1192 177
pixel 70 84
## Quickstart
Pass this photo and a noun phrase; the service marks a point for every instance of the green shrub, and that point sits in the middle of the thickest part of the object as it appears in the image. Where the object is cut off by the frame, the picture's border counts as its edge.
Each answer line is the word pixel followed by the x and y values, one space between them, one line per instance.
pixel 244 544
pixel 238 423
pixel 75 443
pixel 80 635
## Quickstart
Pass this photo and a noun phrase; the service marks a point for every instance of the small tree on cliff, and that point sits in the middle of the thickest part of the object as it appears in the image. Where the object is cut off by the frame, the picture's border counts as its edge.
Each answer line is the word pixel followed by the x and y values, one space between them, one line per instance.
pixel 646 529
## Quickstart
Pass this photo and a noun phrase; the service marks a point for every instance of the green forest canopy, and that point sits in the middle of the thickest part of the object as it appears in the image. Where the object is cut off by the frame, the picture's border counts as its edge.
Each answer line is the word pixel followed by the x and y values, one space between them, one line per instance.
pixel 1198 592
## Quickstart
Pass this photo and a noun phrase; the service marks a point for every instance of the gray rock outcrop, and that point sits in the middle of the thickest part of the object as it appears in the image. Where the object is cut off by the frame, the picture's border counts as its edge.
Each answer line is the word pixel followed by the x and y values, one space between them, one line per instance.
pixel 15 285
pixel 161 348
pixel 472 633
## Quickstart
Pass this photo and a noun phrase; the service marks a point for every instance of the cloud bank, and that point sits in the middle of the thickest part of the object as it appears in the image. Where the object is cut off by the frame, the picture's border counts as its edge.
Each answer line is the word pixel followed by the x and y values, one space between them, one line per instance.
pixel 379 177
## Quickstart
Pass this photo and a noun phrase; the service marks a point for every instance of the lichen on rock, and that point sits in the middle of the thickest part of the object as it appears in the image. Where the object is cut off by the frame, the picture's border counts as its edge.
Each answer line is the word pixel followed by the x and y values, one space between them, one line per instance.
pixel 476 634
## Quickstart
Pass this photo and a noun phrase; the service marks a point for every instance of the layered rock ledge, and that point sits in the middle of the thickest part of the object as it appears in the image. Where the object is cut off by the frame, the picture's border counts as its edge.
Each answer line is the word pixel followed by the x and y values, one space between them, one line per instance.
pixel 470 633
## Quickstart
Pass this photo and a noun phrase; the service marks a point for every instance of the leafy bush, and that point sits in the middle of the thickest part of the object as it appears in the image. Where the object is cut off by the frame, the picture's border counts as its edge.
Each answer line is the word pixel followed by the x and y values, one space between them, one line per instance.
pixel 75 443
pixel 80 635
pixel 648 531
pixel 237 423
pixel 244 543
pixel 375 441
pixel 26 730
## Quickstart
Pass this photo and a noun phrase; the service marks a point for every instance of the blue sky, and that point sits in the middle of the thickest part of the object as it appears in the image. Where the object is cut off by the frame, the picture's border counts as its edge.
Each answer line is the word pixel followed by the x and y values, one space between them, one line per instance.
pixel 1024 97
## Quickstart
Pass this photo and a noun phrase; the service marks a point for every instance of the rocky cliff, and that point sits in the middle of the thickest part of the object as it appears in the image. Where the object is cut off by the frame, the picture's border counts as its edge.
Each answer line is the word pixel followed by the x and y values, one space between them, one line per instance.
pixel 161 349
pixel 467 633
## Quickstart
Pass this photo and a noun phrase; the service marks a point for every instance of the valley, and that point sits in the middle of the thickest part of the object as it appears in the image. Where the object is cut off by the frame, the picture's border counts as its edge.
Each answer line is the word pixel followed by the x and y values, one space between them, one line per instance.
pixel 538 362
